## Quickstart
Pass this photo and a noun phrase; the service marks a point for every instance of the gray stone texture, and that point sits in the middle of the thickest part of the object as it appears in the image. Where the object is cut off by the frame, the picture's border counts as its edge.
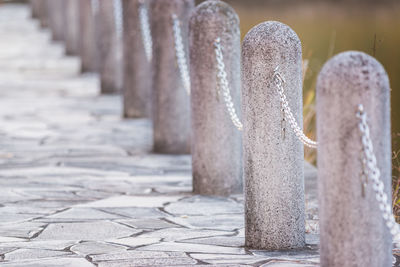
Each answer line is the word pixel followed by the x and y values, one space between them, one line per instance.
pixel 137 83
pixel 56 19
pixel 87 45
pixel 273 158
pixel 353 232
pixel 171 104
pixel 35 8
pixel 216 142
pixel 71 25
pixel 108 48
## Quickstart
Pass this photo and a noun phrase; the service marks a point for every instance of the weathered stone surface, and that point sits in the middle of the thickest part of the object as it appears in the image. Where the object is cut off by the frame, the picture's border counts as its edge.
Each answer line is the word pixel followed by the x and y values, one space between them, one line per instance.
pixel 108 48
pixel 92 248
pixel 137 83
pixel 275 212
pixel 24 254
pixel 87 45
pixel 137 255
pixel 230 222
pixel 351 223
pixel 56 14
pixel 216 142
pixel 85 231
pixel 71 26
pixel 171 104
pixel 62 262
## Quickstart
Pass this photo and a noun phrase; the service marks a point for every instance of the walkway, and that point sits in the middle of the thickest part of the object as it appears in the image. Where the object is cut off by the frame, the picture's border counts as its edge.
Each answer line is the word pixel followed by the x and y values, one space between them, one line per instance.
pixel 78 186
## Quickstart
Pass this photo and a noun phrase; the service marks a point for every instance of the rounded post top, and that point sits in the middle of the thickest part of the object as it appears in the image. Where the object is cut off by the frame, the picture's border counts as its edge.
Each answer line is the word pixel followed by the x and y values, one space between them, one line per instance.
pixel 355 68
pixel 213 10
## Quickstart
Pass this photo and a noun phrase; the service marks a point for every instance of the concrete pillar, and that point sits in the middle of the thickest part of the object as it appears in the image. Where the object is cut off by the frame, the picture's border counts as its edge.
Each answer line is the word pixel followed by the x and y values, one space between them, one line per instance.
pixel 171 102
pixel 108 48
pixel 87 48
pixel 56 19
pixel 71 26
pixel 273 156
pixel 353 232
pixel 216 142
pixel 137 83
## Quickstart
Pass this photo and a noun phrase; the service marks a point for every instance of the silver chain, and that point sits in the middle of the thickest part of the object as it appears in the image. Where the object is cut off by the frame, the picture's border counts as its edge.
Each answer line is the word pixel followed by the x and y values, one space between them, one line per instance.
pixel 223 85
pixel 373 173
pixel 118 17
pixel 180 54
pixel 145 31
pixel 279 82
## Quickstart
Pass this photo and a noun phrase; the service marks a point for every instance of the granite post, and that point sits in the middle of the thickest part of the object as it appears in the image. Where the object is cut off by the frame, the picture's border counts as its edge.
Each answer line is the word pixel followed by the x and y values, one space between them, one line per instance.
pixel 108 48
pixel 137 82
pixel 171 104
pixel 87 47
pixel 216 142
pixel 56 19
pixel 273 156
pixel 352 230
pixel 71 26
pixel 35 8
pixel 43 13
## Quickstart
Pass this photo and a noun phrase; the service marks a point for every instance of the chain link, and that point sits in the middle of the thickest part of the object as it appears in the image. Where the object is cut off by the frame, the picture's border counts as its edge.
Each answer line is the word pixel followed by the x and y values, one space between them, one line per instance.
pixel 223 85
pixel 118 17
pixel 180 54
pixel 145 31
pixel 279 82
pixel 374 174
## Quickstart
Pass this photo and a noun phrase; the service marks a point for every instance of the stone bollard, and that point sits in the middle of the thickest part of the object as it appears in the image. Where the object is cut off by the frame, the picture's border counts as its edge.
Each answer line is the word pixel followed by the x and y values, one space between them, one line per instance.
pixel 87 47
pixel 71 24
pixel 352 230
pixel 43 13
pixel 56 19
pixel 137 83
pixel 108 48
pixel 216 142
pixel 171 117
pixel 35 8
pixel 273 156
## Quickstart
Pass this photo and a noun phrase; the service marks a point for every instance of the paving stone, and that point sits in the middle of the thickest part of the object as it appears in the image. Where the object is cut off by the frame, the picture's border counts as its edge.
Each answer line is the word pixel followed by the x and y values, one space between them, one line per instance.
pixel 288 264
pixel 45 245
pixel 136 212
pixel 61 262
pixel 135 241
pixel 99 230
pixel 91 248
pixel 176 234
pixel 227 259
pixel 132 201
pixel 137 255
pixel 199 205
pixel 23 254
pixel 225 241
pixel 148 223
pixel 185 261
pixel 187 247
pixel 80 214
pixel 229 222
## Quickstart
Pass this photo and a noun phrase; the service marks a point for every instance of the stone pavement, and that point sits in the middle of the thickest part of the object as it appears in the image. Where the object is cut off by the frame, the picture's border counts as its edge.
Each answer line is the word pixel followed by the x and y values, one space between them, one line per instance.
pixel 80 187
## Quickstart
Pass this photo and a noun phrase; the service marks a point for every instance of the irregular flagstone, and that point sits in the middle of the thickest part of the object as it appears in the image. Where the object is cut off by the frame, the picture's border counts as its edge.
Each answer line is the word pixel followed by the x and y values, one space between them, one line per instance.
pixel 228 222
pixel 133 201
pixel 136 255
pixel 200 205
pixel 99 230
pixel 307 254
pixel 23 254
pixel 144 223
pixel 80 214
pixel 47 244
pixel 184 261
pixel 225 241
pixel 176 234
pixel 288 264
pixel 91 248
pixel 135 212
pixel 61 262
pixel 135 241
pixel 187 247
pixel 21 230
pixel 227 259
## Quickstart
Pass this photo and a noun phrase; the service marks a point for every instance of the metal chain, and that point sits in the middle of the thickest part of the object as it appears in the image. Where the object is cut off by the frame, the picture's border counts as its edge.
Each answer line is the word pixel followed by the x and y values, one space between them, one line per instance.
pixel 95 7
pixel 373 174
pixel 279 82
pixel 118 17
pixel 145 31
pixel 223 85
pixel 180 54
